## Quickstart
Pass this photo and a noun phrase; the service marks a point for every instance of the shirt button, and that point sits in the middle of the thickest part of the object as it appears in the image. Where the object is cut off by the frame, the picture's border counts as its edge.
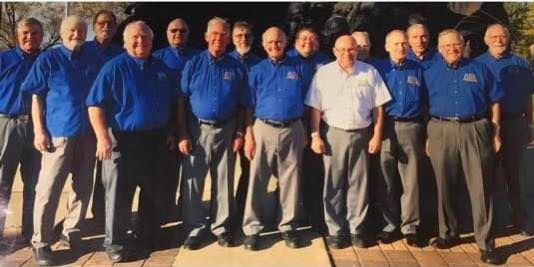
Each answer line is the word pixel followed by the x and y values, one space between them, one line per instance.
pixel 455 92
pixel 454 81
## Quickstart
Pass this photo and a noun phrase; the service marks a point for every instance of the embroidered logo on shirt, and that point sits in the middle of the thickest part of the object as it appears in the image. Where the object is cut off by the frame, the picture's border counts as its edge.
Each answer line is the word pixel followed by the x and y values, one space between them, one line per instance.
pixel 292 75
pixel 228 75
pixel 412 80
pixel 470 77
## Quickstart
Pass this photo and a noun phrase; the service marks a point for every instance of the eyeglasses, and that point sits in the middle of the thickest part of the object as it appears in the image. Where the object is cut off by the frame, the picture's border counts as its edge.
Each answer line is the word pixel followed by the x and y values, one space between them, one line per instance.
pixel 104 23
pixel 178 30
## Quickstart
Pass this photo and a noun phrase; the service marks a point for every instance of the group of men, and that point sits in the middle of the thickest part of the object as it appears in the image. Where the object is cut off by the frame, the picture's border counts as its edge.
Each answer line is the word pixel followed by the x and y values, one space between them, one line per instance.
pixel 288 115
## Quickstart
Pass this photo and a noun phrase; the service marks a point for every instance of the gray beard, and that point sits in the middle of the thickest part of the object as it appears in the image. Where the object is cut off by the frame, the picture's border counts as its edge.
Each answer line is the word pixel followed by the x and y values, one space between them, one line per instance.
pixel 242 51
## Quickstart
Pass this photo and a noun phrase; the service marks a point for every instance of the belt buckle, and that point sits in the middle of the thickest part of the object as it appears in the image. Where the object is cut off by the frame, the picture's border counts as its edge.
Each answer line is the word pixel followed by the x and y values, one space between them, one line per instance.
pixel 456 119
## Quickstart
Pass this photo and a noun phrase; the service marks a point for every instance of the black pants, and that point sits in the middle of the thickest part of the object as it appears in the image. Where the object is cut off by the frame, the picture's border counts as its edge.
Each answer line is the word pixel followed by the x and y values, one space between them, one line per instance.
pixel 133 163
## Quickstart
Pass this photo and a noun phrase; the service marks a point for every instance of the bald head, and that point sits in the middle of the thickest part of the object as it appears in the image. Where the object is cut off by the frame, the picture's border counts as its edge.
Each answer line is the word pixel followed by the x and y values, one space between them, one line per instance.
pixel 346 51
pixel 177 33
pixel 274 42
pixel 397 45
pixel 363 43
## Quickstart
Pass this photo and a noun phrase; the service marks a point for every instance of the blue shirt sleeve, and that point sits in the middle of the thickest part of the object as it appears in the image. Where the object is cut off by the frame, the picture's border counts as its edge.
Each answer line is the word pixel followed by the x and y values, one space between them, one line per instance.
pixel 101 90
pixel 186 78
pixel 307 71
pixel 37 80
pixel 252 88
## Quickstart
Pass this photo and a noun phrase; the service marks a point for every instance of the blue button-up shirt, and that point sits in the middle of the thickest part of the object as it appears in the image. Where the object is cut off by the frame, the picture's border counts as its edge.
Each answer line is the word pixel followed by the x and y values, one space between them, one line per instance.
pixel 63 79
pixel 466 90
pixel 214 86
pixel 136 94
pixel 175 58
pixel 406 87
pixel 105 54
pixel 429 57
pixel 515 76
pixel 249 59
pixel 278 88
pixel 14 67
pixel 316 60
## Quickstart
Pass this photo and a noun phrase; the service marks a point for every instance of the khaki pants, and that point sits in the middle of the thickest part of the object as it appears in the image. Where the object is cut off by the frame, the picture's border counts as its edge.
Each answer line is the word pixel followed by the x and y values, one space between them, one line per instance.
pixel 68 155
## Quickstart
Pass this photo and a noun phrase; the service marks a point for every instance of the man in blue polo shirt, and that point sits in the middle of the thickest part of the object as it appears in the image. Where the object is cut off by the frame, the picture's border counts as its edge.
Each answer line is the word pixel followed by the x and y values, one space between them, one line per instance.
pixel 16 133
pixel 306 49
pixel 210 130
pixel 403 142
pixel 515 76
pixel 174 56
pixel 419 38
pixel 462 141
pixel 242 38
pixel 59 80
pixel 278 85
pixel 129 108
pixel 178 52
pixel 105 27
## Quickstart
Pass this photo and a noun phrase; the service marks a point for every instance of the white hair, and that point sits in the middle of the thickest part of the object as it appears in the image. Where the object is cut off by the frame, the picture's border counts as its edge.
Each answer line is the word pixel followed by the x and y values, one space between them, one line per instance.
pixel 217 20
pixel 139 23
pixel 70 21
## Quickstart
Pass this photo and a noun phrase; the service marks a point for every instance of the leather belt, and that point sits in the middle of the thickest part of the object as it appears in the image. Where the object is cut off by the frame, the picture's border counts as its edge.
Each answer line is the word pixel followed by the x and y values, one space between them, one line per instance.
pixel 279 124
pixel 461 119
pixel 23 117
pixel 515 115
pixel 212 123
pixel 401 119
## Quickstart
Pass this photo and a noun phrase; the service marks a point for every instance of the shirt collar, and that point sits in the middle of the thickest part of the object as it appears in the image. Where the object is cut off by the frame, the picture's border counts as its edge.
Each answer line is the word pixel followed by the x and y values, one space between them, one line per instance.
pixel 141 63
pixel 68 53
pixel 455 66
pixel 212 59
pixel 239 56
pixel 397 66
pixel 24 55
pixel 341 71
pixel 277 62
pixel 494 59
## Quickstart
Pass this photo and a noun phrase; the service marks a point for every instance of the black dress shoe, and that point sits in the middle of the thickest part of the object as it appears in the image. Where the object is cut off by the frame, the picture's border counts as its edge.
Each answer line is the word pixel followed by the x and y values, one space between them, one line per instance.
pixel 224 240
pixel 251 242
pixel 490 256
pixel 444 243
pixel 415 240
pixel 334 241
pixel 359 240
pixel 64 241
pixel 42 256
pixel 114 255
pixel 388 237
pixel 192 243
pixel 526 232
pixel 292 239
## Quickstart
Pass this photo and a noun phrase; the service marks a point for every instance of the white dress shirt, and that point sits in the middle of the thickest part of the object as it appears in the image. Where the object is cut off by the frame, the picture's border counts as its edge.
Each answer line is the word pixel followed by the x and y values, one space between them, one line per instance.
pixel 346 100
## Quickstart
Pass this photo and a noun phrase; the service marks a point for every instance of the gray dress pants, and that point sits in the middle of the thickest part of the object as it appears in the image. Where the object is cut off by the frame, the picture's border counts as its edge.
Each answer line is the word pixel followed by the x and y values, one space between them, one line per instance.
pixel 400 157
pixel 280 147
pixel 346 193
pixel 16 147
pixel 463 150
pixel 212 151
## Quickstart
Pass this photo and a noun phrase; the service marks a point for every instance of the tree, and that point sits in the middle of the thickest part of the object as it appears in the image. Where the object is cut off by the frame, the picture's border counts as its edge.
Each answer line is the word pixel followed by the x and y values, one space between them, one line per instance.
pixel 521 17
pixel 50 14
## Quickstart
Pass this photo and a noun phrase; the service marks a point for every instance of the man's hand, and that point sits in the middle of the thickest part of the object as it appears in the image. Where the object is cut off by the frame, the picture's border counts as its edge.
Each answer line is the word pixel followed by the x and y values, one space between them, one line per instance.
pixel 250 147
pixel 497 143
pixel 237 143
pixel 103 148
pixel 374 145
pixel 184 145
pixel 42 142
pixel 317 145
